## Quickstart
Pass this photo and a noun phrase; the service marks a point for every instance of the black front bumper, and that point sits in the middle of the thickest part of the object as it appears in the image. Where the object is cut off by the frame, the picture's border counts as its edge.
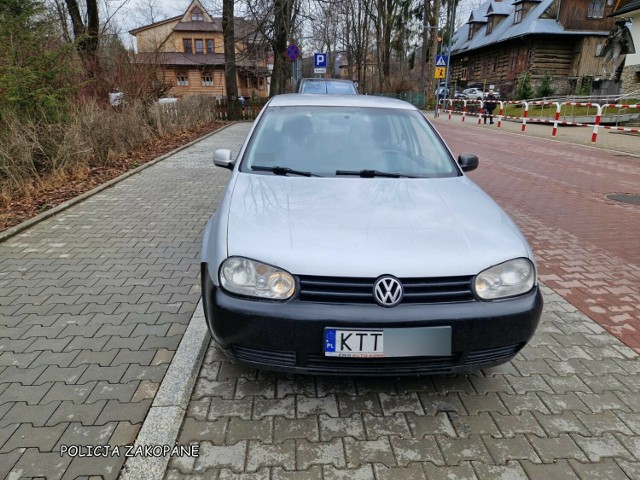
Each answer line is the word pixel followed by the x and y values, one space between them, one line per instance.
pixel 288 336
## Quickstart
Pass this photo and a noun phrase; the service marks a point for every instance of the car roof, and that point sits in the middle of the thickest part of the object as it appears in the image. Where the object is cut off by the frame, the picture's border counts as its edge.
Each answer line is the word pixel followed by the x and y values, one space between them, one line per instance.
pixel 309 99
pixel 344 80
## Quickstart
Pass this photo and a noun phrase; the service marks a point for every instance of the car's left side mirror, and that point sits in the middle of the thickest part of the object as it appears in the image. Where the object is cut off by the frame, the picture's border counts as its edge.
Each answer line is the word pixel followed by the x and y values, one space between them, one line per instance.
pixel 468 162
pixel 222 158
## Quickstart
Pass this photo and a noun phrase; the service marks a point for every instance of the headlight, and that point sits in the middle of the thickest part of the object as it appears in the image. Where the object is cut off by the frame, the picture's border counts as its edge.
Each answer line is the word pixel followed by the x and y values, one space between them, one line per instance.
pixel 254 279
pixel 508 279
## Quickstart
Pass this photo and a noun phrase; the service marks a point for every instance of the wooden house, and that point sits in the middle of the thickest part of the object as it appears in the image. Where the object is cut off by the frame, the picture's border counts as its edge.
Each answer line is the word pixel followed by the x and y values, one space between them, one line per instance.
pixel 631 72
pixel 504 39
pixel 189 52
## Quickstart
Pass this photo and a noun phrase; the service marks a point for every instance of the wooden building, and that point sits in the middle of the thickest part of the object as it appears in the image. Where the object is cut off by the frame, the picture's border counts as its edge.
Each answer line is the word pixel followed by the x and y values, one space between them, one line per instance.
pixel 631 72
pixel 504 39
pixel 189 52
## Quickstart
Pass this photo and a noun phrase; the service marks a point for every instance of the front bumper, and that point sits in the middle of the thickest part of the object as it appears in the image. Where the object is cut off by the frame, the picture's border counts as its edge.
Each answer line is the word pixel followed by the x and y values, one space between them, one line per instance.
pixel 289 336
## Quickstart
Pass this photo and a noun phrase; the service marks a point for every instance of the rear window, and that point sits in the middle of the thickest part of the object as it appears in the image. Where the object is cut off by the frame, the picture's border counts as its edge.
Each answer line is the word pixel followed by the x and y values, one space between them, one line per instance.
pixel 344 88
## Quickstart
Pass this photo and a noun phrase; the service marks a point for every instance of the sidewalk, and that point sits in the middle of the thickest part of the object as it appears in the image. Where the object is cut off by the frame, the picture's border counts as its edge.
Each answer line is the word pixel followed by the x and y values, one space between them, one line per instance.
pixel 95 301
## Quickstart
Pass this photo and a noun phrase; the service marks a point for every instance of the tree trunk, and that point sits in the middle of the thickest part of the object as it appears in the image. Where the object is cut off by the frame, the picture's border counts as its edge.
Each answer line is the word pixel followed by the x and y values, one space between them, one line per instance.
pixel 431 82
pixel 87 36
pixel 282 15
pixel 230 77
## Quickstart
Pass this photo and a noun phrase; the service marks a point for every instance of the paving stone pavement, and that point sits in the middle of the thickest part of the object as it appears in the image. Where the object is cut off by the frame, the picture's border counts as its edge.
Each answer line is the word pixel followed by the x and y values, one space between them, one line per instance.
pixel 94 302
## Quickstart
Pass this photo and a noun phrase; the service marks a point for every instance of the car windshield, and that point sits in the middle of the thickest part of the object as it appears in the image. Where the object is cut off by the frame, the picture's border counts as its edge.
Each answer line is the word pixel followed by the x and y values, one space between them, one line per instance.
pixel 327 87
pixel 324 140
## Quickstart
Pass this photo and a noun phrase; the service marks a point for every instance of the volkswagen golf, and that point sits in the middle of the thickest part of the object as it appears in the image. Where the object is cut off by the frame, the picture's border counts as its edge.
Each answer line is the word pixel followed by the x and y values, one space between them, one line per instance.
pixel 349 241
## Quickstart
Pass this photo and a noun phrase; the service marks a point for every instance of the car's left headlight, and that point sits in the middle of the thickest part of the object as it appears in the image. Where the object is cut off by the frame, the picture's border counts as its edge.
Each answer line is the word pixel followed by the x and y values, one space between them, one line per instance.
pixel 508 279
pixel 255 279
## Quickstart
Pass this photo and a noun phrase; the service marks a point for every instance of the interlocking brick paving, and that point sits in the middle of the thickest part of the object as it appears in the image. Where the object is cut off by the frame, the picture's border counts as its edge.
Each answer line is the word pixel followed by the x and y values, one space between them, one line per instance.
pixel 587 247
pixel 94 304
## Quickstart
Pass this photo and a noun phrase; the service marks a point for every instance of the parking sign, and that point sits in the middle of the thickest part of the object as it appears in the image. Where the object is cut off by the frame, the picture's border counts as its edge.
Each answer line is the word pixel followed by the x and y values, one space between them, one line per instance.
pixel 320 60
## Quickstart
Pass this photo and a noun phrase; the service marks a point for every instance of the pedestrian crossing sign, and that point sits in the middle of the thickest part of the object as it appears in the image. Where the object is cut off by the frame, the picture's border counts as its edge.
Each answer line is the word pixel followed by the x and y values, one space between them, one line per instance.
pixel 441 61
pixel 440 72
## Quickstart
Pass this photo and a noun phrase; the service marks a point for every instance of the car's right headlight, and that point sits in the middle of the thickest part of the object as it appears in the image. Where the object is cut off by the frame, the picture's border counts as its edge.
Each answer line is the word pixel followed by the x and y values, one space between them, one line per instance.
pixel 508 279
pixel 255 279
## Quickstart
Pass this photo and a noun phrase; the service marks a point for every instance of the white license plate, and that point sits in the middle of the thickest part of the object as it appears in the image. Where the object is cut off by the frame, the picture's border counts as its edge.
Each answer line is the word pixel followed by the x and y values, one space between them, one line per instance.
pixel 353 343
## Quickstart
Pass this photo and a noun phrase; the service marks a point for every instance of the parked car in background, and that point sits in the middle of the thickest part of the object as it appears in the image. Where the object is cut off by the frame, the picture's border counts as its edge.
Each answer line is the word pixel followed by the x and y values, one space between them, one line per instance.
pixel 350 242
pixel 326 85
pixel 473 93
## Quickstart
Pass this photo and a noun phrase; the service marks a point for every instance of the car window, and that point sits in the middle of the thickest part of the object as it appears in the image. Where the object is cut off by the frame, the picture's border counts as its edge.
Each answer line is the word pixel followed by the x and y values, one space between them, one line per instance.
pixel 340 87
pixel 314 87
pixel 322 140
pixel 322 86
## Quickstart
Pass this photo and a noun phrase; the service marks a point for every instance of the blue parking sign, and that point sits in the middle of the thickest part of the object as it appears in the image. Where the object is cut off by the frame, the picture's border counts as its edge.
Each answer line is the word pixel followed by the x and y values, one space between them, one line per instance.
pixel 320 60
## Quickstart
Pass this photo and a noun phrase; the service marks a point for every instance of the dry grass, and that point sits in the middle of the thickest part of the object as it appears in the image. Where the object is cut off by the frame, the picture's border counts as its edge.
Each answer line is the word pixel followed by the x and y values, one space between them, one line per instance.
pixel 90 136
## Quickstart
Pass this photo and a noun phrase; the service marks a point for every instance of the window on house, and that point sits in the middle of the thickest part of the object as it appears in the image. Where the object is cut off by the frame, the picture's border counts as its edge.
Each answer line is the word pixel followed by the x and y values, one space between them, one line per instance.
pixel 210 46
pixel 520 13
pixel 199 46
pixel 182 79
pixel 207 79
pixel 492 65
pixel 187 45
pixel 596 9
pixel 463 73
pixel 470 31
pixel 490 26
pixel 197 15
pixel 261 84
pixel 521 62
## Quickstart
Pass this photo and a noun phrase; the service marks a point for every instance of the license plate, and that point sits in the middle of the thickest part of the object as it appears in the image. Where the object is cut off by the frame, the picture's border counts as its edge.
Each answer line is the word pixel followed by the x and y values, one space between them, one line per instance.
pixel 353 343
pixel 388 342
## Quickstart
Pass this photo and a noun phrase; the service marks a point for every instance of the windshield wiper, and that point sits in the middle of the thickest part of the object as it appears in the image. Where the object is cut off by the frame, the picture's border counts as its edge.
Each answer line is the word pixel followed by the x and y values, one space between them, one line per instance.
pixel 282 171
pixel 371 174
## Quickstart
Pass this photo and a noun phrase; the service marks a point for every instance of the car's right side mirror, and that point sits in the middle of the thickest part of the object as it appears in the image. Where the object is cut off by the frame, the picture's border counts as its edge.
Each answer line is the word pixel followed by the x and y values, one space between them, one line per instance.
pixel 468 162
pixel 222 158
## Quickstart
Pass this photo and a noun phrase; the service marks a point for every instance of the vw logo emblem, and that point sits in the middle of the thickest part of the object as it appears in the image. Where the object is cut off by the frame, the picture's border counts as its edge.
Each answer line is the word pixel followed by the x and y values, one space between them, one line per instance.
pixel 387 291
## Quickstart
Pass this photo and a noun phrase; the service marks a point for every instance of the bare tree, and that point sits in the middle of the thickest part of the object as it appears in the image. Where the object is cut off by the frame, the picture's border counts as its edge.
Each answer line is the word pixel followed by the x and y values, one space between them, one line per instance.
pixel 149 11
pixel 276 21
pixel 86 32
pixel 228 31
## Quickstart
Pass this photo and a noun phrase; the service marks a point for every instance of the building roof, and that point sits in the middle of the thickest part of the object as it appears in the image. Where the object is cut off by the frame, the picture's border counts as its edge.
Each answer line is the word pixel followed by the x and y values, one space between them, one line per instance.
pixel 135 31
pixel 531 24
pixel 632 6
pixel 183 59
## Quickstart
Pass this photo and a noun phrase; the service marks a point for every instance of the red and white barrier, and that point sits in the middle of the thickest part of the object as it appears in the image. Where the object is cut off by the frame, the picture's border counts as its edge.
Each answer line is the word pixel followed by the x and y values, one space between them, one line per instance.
pixel 556 120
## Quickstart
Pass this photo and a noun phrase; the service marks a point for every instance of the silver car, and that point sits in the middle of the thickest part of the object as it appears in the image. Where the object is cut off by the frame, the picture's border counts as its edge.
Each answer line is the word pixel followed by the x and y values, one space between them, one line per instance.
pixel 350 242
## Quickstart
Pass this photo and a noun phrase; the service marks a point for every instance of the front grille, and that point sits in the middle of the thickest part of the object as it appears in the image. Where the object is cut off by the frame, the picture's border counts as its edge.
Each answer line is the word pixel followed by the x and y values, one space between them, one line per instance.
pixel 264 357
pixel 380 366
pixel 360 290
pixel 493 354
pixel 318 363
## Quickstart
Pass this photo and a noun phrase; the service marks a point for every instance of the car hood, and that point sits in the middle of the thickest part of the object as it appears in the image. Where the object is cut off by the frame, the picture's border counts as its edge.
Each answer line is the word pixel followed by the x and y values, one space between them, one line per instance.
pixel 361 227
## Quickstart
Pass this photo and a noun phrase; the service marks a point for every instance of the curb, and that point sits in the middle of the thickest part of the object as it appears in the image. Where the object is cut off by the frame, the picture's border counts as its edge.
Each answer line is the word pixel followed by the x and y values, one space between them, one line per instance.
pixel 162 424
pixel 10 232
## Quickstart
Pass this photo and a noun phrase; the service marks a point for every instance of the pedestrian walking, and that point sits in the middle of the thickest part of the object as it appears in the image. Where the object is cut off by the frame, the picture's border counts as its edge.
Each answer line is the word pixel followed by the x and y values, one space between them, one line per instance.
pixel 489 107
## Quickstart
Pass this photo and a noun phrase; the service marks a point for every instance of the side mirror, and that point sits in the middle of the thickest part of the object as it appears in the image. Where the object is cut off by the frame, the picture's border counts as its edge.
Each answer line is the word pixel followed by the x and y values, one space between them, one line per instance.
pixel 222 158
pixel 468 162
